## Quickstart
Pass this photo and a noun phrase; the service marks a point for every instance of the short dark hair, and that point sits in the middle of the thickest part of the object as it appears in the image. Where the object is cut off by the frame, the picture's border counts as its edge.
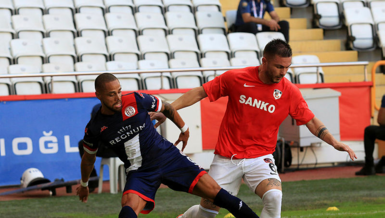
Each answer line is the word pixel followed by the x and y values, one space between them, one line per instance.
pixel 102 79
pixel 277 47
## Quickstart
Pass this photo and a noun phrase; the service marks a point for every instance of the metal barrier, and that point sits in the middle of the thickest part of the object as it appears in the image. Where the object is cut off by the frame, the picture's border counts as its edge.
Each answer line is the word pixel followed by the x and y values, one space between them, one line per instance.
pixel 335 64
pixel 373 93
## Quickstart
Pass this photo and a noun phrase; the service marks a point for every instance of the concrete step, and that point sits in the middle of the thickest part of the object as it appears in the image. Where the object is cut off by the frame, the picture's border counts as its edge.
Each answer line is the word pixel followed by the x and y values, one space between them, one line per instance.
pixel 344 78
pixel 297 23
pixel 333 56
pixel 283 13
pixel 306 34
pixel 345 71
pixel 380 91
pixel 380 79
pixel 315 46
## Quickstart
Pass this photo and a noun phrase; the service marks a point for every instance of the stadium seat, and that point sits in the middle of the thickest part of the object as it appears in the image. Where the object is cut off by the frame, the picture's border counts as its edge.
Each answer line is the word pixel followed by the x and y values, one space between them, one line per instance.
pixel 61 84
pixel 26 85
pixel 27 52
pixel 91 50
pixel 213 62
pixel 207 5
pixel 352 4
pixel 327 14
pixel 265 37
pixel 122 49
pixel 28 27
pixel 128 82
pixel 186 80
pixel 296 3
pixel 120 24
pixel 29 7
pixel 244 62
pixel 5 56
pixel 90 6
pixel 86 82
pixel 151 24
pixel 360 29
pixel 181 23
pixel 381 41
pixel 63 7
pixel 59 26
pixel 120 6
pixel 151 6
pixel 231 16
pixel 209 22
pixel 183 47
pixel 243 45
pixel 375 3
pixel 91 25
pixel 6 9
pixel 154 48
pixel 59 50
pixel 379 17
pixel 178 5
pixel 307 75
pixel 5 83
pixel 290 75
pixel 152 81
pixel 116 169
pixel 214 46
pixel 7 32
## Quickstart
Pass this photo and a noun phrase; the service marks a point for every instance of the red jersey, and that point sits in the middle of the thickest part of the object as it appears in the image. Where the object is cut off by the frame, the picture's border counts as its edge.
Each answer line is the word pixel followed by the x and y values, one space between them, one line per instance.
pixel 254 112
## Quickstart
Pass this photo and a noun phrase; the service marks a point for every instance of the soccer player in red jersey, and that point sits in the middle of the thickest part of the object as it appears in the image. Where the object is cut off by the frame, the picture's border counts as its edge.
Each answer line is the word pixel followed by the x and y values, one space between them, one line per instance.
pixel 259 99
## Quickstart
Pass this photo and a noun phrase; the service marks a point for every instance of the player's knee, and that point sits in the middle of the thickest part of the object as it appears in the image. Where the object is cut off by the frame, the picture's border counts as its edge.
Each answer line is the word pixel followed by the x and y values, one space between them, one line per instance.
pixel 272 201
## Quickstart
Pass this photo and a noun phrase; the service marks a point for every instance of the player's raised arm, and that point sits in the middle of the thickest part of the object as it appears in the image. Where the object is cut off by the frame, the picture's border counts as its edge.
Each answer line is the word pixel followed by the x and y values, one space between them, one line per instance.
pixel 189 98
pixel 170 112
pixel 318 129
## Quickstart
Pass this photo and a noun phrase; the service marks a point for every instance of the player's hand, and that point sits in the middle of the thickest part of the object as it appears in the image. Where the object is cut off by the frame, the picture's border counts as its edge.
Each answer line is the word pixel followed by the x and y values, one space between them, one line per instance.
pixel 273 25
pixel 183 137
pixel 342 147
pixel 83 193
pixel 159 116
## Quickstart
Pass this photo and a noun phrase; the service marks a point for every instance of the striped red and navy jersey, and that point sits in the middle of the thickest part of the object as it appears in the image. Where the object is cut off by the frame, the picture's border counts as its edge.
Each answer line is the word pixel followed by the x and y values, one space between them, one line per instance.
pixel 131 133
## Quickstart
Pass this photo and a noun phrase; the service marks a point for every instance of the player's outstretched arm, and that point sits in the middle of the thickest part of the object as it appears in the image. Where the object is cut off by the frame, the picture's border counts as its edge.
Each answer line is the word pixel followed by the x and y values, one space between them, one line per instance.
pixel 86 167
pixel 189 98
pixel 318 129
pixel 170 112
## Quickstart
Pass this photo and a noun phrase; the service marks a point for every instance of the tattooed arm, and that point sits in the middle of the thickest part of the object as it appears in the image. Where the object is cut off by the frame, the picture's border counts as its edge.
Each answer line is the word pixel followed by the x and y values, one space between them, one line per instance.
pixel 318 129
pixel 170 112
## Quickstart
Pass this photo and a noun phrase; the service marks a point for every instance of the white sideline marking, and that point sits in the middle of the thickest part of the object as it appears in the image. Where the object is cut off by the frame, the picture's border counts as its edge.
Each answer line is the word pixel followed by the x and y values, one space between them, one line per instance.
pixel 346 213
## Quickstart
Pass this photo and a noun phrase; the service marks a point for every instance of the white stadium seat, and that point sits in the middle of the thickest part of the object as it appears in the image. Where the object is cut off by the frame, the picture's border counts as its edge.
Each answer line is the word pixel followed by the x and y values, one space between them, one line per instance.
pixel 296 3
pixel 231 16
pixel 178 5
pixel 214 46
pixel 381 39
pixel 352 4
pixel 152 81
pixel 307 75
pixel 244 62
pixel 122 49
pixel 28 27
pixel 151 24
pixel 5 83
pixel 207 5
pixel 375 3
pixel 327 14
pixel 58 25
pixel 154 48
pixel 91 50
pixel 90 6
pixel 61 84
pixel 27 52
pixel 152 6
pixel 265 37
pixel 182 23
pixel 213 62
pixel 128 82
pixel 243 45
pixel 120 6
pixel 86 82
pixel 183 47
pixel 209 22
pixel 29 7
pixel 379 17
pixel 6 27
pixel 120 24
pixel 360 29
pixel 26 85
pixel 63 7
pixel 91 25
pixel 5 56
pixel 186 80
pixel 59 50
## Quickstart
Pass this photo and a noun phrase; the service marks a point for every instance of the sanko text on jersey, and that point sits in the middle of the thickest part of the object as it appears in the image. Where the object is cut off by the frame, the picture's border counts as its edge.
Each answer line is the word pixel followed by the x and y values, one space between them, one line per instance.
pixel 257 104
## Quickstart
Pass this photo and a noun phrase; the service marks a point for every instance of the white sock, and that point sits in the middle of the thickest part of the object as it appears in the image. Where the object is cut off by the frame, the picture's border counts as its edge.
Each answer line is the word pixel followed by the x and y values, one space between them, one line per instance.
pixel 197 211
pixel 272 201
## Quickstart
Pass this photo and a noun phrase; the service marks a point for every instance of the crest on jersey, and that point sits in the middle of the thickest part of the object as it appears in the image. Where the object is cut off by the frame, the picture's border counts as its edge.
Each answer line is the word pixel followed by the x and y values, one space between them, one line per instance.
pixel 129 111
pixel 277 94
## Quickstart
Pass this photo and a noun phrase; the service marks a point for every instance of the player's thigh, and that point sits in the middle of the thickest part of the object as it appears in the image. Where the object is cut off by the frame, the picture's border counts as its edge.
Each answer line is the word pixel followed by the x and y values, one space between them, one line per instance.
pixel 261 174
pixel 134 201
pixel 227 173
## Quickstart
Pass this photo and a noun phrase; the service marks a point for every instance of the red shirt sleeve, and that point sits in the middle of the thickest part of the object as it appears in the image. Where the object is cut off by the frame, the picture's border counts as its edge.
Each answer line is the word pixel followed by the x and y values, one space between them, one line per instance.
pixel 299 110
pixel 218 87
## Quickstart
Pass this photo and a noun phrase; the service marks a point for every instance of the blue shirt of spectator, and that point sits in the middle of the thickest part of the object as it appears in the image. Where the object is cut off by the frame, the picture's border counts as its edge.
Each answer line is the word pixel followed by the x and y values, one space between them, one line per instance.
pixel 247 6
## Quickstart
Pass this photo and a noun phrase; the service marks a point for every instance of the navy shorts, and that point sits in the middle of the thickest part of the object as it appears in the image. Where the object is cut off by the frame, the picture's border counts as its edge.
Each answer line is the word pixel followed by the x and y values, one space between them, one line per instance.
pixel 178 173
